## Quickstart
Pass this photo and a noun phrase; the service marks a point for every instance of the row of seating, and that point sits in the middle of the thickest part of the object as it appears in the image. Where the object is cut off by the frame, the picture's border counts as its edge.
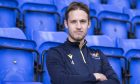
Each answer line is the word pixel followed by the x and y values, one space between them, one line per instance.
pixel 18 63
pixel 134 4
pixel 24 60
pixel 106 19
pixel 112 23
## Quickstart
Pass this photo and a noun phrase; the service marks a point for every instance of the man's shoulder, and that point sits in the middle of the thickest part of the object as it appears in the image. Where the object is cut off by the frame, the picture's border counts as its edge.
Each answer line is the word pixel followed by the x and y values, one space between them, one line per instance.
pixel 58 48
pixel 56 52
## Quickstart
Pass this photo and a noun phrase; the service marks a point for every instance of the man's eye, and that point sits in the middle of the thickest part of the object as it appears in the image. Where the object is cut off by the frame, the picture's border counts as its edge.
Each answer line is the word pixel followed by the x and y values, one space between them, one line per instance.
pixel 83 21
pixel 73 21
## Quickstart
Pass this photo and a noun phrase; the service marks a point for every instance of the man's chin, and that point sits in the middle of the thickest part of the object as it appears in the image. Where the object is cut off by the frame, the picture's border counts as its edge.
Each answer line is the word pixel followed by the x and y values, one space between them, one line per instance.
pixel 79 39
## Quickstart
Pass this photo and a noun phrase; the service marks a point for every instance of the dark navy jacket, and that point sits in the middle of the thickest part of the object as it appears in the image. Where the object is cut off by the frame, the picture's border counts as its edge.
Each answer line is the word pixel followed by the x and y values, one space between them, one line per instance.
pixel 66 65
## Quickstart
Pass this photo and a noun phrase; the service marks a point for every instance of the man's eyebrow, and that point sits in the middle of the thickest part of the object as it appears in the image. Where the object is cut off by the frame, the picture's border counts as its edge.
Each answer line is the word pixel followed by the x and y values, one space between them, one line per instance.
pixel 80 19
pixel 83 19
pixel 73 20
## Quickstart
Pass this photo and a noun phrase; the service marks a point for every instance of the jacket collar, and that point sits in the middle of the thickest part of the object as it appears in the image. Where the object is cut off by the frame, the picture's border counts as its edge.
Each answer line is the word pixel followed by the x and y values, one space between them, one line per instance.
pixel 75 44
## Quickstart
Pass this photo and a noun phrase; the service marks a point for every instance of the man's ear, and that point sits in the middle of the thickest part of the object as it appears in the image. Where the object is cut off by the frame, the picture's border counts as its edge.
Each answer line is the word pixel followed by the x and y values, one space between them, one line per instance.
pixel 89 24
pixel 66 24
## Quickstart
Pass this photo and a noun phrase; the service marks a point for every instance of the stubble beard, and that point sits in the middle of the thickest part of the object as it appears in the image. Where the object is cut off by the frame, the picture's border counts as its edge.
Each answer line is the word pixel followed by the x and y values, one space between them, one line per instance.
pixel 77 39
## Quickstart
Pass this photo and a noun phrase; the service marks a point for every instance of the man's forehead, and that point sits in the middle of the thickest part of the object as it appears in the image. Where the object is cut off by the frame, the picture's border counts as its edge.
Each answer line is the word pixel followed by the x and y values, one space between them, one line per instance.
pixel 78 15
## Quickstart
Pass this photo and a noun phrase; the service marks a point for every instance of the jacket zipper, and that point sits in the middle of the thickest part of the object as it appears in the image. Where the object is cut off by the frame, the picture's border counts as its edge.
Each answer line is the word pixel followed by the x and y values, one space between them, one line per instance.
pixel 83 56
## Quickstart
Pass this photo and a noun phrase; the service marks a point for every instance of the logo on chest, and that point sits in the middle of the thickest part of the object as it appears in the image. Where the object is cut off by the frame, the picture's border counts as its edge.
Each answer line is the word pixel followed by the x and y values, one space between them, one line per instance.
pixel 71 58
pixel 95 55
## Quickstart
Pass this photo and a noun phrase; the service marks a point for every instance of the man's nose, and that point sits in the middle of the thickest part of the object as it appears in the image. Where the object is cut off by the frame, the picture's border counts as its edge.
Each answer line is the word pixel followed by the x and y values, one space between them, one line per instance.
pixel 78 25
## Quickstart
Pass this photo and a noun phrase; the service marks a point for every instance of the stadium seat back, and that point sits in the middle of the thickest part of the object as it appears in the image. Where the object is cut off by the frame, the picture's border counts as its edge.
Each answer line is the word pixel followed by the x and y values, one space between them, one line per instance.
pixel 40 17
pixel 9 3
pixel 134 71
pixel 132 53
pixel 113 22
pixel 99 40
pixel 17 57
pixel 128 44
pixel 21 2
pixel 8 13
pixel 136 26
pixel 43 47
pixel 120 3
pixel 12 33
pixel 16 66
pixel 116 65
pixel 41 36
pixel 114 29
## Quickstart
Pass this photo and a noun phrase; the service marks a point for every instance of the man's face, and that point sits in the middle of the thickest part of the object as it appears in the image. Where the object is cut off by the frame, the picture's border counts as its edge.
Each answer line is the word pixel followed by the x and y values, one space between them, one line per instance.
pixel 77 25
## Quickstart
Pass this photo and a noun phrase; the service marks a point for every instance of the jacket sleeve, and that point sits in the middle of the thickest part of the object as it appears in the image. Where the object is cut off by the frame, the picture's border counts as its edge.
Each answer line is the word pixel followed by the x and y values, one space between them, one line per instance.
pixel 108 72
pixel 58 73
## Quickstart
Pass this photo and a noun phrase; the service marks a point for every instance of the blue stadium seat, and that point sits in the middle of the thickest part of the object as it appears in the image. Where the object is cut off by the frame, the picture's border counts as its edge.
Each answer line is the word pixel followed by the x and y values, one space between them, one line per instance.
pixel 9 13
pixel 92 10
pixel 130 47
pixel 133 57
pixel 99 40
pixel 120 3
pixel 94 26
pixel 131 12
pixel 134 70
pixel 21 2
pixel 9 3
pixel 137 3
pixel 134 18
pixel 41 37
pixel 116 63
pixel 62 16
pixel 61 5
pixel 44 47
pixel 132 52
pixel 39 17
pixel 17 63
pixel 113 22
pixel 46 40
pixel 94 22
pixel 128 44
pixel 13 32
pixel 106 8
pixel 136 26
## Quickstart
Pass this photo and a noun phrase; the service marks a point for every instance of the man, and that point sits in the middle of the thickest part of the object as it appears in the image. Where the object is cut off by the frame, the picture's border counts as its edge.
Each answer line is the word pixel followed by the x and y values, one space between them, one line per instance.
pixel 73 62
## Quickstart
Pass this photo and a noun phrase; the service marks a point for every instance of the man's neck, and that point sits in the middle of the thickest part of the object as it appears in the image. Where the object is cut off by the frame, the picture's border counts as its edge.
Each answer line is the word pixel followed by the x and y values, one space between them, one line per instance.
pixel 81 42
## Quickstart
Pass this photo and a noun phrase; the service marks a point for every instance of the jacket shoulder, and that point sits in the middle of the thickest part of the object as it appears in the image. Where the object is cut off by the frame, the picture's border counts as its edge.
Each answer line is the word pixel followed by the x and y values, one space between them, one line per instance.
pixel 56 51
pixel 57 48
